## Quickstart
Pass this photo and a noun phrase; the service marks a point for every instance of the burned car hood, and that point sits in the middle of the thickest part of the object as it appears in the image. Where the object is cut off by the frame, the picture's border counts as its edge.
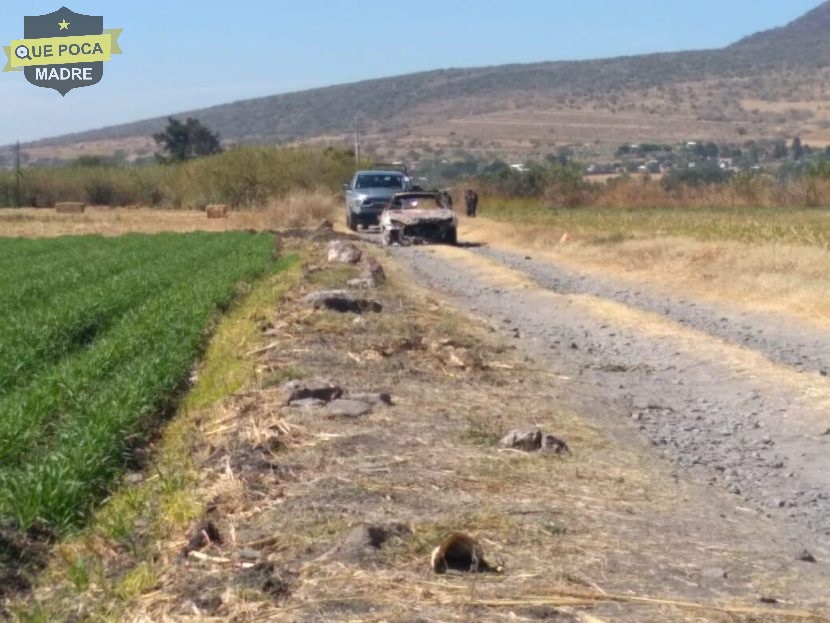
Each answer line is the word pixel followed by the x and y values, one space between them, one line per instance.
pixel 415 215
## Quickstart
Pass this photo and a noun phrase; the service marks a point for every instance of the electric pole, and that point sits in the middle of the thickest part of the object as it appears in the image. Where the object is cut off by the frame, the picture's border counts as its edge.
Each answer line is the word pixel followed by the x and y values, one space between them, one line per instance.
pixel 356 144
pixel 17 176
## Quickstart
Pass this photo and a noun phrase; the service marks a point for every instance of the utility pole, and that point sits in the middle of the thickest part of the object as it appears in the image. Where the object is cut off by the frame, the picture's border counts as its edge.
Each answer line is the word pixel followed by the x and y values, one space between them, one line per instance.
pixel 17 176
pixel 356 144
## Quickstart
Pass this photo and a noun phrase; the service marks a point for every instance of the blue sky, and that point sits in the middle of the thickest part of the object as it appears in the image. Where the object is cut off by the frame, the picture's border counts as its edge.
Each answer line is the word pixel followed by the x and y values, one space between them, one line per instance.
pixel 183 55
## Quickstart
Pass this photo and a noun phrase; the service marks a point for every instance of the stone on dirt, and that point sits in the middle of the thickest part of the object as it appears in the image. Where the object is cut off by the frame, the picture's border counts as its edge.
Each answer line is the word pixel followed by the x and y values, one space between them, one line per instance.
pixel 341 301
pixel 316 389
pixel 343 252
pixel 372 270
pixel 371 275
pixel 247 553
pixel 534 440
pixel 308 403
pixel 265 577
pixel 364 541
pixel 458 358
pixel 806 556
pixel 347 407
pixel 374 398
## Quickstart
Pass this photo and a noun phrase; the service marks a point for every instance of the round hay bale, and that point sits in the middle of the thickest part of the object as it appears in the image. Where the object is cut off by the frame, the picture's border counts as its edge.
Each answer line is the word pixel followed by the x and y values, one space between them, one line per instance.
pixel 217 210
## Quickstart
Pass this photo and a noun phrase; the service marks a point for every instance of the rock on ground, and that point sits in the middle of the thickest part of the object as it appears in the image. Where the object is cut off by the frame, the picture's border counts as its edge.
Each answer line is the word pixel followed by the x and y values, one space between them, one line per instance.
pixel 533 440
pixel 364 541
pixel 346 407
pixel 373 398
pixel 299 391
pixel 371 275
pixel 343 252
pixel 341 301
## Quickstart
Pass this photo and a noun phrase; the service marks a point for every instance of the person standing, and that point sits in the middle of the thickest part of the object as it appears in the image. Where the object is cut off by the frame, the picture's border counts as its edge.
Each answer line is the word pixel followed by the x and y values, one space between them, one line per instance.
pixel 471 198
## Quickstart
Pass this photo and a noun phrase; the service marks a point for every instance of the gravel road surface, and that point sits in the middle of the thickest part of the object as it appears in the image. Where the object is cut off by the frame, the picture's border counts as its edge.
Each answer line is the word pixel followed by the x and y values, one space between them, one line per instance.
pixel 737 399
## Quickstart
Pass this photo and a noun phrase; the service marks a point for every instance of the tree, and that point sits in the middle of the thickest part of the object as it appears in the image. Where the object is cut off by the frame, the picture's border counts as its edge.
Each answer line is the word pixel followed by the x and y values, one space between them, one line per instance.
pixel 779 150
pixel 182 141
pixel 753 153
pixel 797 148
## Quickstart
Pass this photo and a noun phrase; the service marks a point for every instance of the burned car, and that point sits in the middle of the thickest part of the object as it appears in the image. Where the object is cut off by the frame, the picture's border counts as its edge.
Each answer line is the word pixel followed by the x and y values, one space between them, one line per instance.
pixel 421 216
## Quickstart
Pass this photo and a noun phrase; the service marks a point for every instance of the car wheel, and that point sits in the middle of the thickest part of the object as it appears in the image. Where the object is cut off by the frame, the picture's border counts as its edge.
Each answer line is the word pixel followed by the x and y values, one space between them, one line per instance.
pixel 451 236
pixel 350 222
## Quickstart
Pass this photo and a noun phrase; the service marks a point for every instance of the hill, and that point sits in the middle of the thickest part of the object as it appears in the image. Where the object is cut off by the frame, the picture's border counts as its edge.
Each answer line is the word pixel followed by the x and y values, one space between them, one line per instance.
pixel 771 84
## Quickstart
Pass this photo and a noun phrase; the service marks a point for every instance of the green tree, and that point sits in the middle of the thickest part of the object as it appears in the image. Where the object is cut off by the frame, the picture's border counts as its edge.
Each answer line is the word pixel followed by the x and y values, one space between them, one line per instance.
pixel 779 150
pixel 753 153
pixel 183 141
pixel 797 148
pixel 820 167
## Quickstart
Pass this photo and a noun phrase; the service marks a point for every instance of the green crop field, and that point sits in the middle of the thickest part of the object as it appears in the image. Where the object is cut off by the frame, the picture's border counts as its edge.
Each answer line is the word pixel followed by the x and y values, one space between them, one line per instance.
pixel 97 336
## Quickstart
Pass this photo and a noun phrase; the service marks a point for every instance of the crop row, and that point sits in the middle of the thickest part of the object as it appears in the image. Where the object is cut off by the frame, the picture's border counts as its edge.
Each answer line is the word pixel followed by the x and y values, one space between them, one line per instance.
pixel 87 366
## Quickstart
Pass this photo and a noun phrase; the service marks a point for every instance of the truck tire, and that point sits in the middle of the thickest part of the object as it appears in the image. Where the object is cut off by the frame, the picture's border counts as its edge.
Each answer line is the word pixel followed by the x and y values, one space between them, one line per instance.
pixel 451 237
pixel 350 221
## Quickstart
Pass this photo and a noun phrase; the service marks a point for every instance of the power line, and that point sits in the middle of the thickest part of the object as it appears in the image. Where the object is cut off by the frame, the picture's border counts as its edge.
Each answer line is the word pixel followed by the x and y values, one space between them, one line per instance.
pixel 356 143
pixel 17 176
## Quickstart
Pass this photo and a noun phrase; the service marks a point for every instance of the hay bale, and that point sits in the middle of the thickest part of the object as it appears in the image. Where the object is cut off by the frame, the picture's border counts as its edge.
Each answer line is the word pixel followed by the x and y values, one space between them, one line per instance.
pixel 70 207
pixel 217 210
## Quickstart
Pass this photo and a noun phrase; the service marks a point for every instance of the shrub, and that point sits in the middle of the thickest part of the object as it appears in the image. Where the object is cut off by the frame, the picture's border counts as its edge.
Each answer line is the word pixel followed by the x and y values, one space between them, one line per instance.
pixel 242 177
pixel 704 175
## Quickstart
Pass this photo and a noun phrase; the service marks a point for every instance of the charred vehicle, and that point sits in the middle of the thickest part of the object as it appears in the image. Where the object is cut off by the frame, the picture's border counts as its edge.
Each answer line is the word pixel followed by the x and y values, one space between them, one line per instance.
pixel 418 217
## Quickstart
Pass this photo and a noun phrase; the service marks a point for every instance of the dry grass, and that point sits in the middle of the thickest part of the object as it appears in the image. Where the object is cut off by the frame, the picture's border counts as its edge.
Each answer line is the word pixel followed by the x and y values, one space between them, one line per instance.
pixel 604 529
pixel 772 260
pixel 298 208
pixel 615 197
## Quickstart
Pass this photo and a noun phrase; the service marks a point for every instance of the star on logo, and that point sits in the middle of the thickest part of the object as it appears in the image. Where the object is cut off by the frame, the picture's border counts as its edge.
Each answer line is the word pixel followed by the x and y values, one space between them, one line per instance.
pixel 64 24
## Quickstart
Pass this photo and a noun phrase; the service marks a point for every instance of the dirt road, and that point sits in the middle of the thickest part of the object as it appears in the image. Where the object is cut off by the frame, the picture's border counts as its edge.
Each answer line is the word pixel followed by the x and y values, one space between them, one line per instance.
pixel 330 511
pixel 738 401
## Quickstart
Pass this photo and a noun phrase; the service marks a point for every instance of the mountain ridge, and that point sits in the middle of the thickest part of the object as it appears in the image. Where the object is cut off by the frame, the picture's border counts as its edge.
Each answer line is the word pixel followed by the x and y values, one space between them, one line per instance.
pixel 702 89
